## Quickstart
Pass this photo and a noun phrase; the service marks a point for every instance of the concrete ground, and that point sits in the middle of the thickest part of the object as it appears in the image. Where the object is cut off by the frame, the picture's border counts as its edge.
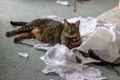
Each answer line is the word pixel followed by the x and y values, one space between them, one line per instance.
pixel 14 67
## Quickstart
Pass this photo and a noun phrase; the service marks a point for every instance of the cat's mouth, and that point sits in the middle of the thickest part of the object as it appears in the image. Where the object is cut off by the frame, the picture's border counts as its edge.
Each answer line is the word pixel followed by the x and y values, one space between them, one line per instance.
pixel 74 39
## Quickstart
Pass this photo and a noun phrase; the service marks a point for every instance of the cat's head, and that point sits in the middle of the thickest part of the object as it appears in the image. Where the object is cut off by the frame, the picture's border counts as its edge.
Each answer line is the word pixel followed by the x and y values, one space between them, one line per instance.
pixel 71 31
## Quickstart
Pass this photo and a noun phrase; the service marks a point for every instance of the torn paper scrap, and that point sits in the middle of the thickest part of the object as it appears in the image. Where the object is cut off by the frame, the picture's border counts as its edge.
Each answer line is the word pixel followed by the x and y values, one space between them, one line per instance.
pixel 23 54
pixel 62 2
pixel 42 46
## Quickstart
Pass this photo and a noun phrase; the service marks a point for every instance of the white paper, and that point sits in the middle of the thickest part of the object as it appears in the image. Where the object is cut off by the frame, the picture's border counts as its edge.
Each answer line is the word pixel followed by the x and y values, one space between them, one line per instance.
pixel 62 2
pixel 42 46
pixel 23 54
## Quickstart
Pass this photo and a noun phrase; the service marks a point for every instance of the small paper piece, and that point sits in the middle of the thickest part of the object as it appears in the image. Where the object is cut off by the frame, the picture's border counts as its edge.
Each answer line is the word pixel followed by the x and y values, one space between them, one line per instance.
pixel 62 2
pixel 23 54
pixel 42 46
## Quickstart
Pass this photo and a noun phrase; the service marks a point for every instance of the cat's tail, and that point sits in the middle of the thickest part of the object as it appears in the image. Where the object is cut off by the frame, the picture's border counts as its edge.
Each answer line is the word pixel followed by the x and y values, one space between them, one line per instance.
pixel 18 23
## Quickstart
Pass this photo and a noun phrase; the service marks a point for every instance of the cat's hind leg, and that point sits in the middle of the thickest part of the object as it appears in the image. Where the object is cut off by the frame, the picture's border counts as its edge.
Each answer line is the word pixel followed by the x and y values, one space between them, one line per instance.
pixel 19 31
pixel 11 33
pixel 23 36
pixel 37 33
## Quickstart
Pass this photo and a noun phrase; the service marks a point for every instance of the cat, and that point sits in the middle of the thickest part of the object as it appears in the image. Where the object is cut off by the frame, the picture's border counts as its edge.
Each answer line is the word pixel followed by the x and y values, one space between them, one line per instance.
pixel 48 31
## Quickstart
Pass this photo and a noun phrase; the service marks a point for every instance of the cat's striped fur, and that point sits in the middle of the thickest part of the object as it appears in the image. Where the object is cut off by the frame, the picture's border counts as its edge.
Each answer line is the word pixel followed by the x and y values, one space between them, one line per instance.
pixel 48 31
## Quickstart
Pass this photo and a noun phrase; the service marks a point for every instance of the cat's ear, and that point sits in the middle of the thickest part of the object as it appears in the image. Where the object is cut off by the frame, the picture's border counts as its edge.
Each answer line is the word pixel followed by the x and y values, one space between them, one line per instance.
pixel 77 23
pixel 65 22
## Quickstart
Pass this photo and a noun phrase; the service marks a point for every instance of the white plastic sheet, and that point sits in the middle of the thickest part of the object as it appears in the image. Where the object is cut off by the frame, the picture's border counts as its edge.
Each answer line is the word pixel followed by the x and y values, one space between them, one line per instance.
pixel 61 60
pixel 103 41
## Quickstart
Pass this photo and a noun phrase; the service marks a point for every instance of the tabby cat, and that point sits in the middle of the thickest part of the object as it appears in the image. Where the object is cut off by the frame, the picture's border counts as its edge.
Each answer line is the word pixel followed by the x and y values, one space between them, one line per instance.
pixel 48 31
